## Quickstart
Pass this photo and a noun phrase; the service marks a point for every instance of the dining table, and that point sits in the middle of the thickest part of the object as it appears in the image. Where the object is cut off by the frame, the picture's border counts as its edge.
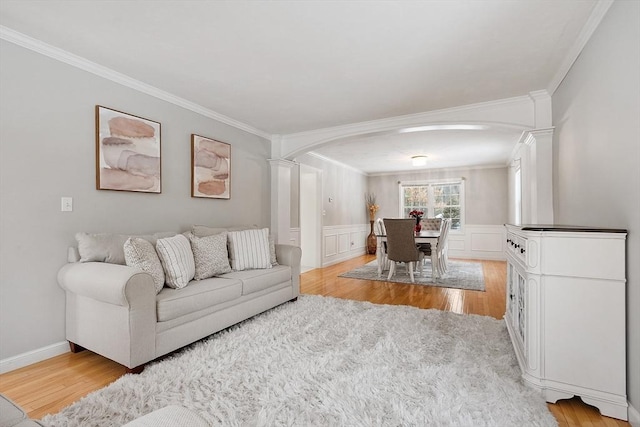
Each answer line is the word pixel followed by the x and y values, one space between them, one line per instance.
pixel 423 236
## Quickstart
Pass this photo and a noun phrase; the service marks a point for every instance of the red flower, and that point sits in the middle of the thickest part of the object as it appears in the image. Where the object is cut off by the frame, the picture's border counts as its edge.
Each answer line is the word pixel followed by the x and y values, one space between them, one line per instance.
pixel 416 214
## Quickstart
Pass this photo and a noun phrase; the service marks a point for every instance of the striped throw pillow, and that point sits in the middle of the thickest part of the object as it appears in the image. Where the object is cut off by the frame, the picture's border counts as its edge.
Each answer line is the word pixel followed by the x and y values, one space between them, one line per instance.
pixel 249 249
pixel 177 260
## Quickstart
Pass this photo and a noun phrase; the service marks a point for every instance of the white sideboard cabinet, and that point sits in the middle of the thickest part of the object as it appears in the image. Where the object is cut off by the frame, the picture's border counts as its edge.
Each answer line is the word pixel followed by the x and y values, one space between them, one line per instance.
pixel 566 312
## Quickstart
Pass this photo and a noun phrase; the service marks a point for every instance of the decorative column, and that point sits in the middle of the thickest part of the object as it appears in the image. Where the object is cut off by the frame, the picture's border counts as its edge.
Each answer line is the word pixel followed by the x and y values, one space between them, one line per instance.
pixel 281 199
pixel 537 178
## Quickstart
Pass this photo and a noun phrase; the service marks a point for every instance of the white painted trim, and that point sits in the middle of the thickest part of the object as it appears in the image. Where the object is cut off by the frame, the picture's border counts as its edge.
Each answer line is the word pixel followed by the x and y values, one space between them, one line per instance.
pixel 292 145
pixel 484 242
pixel 294 236
pixel 597 14
pixel 478 241
pixel 355 237
pixel 634 416
pixel 109 74
pixel 33 356
pixel 335 162
pixel 408 119
pixel 458 168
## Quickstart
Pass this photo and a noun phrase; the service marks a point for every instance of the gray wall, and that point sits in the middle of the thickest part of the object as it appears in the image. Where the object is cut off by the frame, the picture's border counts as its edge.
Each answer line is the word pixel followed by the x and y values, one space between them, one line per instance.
pixel 486 193
pixel 47 150
pixel 346 187
pixel 596 111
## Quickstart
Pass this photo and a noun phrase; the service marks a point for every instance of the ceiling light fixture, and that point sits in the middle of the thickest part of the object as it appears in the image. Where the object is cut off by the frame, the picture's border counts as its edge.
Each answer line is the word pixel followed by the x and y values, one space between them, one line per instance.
pixel 419 160
pixel 443 127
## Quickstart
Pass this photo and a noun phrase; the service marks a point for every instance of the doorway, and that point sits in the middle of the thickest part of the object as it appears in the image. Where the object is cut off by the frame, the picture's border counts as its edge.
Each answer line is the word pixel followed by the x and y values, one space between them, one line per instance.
pixel 310 217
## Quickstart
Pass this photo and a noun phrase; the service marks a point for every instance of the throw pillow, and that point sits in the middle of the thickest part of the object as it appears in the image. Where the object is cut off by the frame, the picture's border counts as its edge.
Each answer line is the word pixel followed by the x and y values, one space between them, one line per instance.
pixel 108 247
pixel 104 247
pixel 272 251
pixel 210 255
pixel 249 249
pixel 177 260
pixel 203 231
pixel 140 253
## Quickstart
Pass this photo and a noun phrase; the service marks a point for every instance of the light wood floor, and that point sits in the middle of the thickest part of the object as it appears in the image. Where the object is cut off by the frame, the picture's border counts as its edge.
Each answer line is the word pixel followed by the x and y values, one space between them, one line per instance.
pixel 49 386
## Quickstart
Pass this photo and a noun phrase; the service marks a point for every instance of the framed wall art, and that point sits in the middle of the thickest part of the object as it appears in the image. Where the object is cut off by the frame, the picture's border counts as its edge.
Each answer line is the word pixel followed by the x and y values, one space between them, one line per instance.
pixel 127 152
pixel 210 168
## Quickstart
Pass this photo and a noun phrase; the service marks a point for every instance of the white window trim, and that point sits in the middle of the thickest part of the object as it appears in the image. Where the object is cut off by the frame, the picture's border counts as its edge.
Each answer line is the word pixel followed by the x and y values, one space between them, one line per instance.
pixel 445 181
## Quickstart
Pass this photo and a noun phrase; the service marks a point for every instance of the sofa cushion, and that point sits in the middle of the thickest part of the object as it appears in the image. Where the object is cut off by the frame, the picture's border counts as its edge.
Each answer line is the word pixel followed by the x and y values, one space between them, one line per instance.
pixel 141 254
pixel 203 230
pixel 210 255
pixel 257 280
pixel 108 247
pixel 177 260
pixel 249 249
pixel 173 303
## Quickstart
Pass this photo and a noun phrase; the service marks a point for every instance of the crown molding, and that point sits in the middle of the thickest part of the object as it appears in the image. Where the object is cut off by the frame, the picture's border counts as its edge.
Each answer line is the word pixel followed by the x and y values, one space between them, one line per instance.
pixel 597 14
pixel 45 49
pixel 429 170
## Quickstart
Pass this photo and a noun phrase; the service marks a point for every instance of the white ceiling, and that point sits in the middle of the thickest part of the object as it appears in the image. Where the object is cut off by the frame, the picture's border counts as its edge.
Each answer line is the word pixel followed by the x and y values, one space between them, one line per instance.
pixel 284 67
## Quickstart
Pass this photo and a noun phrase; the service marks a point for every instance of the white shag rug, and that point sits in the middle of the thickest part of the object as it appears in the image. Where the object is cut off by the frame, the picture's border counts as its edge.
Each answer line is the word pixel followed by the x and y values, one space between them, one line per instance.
pixel 329 362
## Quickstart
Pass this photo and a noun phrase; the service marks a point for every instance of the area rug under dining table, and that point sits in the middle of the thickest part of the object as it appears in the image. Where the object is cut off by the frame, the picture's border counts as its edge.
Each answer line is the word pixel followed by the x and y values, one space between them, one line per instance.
pixel 324 361
pixel 466 275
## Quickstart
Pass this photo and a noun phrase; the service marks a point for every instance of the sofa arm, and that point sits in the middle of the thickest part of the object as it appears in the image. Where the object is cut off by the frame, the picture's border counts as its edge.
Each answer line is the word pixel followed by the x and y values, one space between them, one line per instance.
pixel 291 255
pixel 111 283
pixel 111 310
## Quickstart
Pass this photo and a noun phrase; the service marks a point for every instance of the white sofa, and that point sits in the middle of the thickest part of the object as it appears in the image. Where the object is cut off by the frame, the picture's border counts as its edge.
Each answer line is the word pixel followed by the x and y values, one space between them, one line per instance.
pixel 113 309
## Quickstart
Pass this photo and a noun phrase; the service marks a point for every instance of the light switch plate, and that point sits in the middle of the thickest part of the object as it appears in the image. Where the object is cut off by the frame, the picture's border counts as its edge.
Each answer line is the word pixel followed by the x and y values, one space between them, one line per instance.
pixel 66 204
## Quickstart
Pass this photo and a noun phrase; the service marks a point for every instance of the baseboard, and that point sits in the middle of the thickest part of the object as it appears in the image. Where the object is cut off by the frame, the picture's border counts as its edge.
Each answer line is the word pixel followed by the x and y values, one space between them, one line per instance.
pixel 634 416
pixel 33 356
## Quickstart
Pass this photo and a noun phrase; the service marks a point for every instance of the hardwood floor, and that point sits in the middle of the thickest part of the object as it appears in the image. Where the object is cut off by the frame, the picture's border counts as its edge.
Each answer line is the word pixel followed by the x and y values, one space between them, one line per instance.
pixel 50 385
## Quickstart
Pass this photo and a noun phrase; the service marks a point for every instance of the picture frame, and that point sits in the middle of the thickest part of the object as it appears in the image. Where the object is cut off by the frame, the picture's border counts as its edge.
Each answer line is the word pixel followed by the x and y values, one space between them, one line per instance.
pixel 210 168
pixel 128 152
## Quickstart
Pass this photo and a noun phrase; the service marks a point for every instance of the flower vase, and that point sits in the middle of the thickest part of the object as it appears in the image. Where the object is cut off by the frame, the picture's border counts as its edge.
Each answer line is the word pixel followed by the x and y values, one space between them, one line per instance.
pixel 372 241
pixel 418 226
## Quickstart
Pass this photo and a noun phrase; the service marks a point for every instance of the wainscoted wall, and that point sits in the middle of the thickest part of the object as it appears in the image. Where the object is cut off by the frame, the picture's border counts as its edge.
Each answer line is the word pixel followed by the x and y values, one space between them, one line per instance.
pixel 478 242
pixel 343 242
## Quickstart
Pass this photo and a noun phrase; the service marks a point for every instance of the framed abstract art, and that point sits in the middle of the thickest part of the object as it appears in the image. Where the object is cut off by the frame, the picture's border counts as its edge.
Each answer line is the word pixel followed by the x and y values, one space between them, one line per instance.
pixel 210 168
pixel 128 154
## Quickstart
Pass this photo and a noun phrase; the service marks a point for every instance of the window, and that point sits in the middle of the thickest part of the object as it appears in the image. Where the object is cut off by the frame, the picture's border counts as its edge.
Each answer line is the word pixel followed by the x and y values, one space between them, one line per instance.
pixel 443 199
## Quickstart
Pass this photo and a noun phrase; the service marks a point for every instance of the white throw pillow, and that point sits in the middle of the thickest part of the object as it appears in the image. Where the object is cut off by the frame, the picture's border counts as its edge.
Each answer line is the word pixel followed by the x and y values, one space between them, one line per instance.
pixel 103 247
pixel 249 249
pixel 140 253
pixel 177 260
pixel 210 255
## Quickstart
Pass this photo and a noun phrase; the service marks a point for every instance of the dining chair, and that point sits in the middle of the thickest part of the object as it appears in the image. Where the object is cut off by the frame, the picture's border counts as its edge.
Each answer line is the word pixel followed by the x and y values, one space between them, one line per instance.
pixel 443 247
pixel 429 224
pixel 401 245
pixel 378 229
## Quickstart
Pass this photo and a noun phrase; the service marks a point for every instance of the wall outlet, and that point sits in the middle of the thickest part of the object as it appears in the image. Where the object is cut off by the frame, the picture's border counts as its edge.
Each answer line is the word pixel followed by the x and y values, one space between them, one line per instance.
pixel 66 204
